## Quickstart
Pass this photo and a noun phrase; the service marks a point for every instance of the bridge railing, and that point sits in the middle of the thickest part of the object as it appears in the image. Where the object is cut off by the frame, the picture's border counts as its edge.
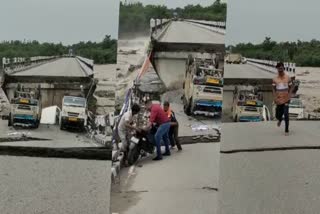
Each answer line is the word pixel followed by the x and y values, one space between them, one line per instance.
pixel 218 27
pixel 86 64
pixel 158 23
pixel 16 64
pixel 270 66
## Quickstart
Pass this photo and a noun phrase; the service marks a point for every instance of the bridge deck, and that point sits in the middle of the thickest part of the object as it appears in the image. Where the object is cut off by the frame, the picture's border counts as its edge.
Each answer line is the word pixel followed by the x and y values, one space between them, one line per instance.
pixel 184 32
pixel 68 67
pixel 245 71
pixel 266 181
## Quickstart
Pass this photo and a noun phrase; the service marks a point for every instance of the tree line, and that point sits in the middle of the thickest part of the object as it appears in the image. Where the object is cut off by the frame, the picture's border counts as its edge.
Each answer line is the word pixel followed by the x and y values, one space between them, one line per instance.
pixel 303 53
pixel 135 17
pixel 104 52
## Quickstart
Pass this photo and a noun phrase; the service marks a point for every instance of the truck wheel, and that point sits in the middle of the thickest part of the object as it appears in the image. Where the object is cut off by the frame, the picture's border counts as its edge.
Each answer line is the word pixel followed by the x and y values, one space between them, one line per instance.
pixel 10 120
pixel 187 109
pixel 37 124
pixel 83 128
pixel 133 155
pixel 61 126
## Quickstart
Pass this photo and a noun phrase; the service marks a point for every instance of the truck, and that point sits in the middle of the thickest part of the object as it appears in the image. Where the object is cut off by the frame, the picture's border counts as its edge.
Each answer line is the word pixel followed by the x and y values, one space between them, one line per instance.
pixel 248 105
pixel 25 107
pixel 203 86
pixel 74 112
pixel 296 109
pixel 233 58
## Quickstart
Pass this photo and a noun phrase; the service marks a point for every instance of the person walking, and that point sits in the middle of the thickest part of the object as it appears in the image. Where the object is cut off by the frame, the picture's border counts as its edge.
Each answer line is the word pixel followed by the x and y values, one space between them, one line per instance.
pixel 282 91
pixel 158 116
pixel 174 126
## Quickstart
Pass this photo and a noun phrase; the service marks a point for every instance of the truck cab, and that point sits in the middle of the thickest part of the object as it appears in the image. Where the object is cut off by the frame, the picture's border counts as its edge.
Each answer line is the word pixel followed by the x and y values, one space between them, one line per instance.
pixel 203 87
pixel 247 106
pixel 74 112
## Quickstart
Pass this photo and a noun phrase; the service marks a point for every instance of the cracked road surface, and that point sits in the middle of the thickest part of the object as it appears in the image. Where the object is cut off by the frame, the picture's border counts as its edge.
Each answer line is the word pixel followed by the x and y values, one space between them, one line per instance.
pixel 184 183
pixel 52 185
pixel 264 182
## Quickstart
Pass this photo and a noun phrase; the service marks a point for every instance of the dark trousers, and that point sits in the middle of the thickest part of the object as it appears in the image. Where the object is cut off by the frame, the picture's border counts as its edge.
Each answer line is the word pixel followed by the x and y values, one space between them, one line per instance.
pixel 173 136
pixel 283 110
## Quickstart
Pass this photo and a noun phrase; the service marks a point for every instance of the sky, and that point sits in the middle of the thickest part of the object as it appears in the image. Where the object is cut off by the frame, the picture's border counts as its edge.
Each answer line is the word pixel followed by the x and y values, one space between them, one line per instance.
pixel 66 21
pixel 282 20
pixel 175 3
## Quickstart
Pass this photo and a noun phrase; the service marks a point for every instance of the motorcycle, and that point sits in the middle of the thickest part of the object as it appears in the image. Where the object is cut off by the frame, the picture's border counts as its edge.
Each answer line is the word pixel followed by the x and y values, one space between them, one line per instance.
pixel 141 143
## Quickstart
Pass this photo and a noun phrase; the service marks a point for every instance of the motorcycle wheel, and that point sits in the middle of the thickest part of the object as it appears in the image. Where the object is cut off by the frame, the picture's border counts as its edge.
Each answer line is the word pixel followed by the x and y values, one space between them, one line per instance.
pixel 133 155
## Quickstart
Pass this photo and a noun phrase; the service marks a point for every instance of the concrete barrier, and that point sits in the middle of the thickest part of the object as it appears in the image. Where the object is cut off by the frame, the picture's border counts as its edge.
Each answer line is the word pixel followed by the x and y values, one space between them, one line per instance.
pixel 87 62
pixel 158 28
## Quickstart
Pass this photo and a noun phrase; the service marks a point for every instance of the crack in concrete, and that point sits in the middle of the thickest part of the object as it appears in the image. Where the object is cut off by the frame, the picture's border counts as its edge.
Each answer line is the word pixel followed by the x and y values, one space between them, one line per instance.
pixel 270 149
pixel 134 191
pixel 210 188
pixel 19 139
pixel 86 153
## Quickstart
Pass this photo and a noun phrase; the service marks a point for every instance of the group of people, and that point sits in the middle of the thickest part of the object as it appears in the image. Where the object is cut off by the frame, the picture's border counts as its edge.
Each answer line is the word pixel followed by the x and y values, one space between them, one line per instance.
pixel 164 118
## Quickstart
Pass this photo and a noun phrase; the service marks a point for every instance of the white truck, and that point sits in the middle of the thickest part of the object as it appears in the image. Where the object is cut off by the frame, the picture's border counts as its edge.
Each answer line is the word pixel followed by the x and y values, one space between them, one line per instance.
pixel 233 58
pixel 74 112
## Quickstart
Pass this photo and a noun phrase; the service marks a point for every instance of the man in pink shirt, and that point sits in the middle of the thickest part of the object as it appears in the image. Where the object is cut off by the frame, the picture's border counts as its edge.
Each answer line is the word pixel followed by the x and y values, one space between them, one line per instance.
pixel 158 116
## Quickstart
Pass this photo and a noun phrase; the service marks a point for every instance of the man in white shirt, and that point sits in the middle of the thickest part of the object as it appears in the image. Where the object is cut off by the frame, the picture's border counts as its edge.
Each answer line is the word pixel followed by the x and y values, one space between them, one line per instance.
pixel 125 126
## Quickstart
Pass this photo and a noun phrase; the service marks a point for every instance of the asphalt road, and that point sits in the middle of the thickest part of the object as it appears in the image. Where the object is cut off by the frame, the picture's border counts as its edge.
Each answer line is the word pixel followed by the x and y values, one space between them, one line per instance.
pixel 283 181
pixel 40 185
pixel 52 185
pixel 184 183
pixel 245 71
pixel 64 67
pixel 184 32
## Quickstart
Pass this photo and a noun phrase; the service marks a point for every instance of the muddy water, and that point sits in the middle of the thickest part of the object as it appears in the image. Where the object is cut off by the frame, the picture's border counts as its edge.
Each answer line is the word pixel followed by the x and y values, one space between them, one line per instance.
pixel 309 89
pixel 105 91
pixel 131 54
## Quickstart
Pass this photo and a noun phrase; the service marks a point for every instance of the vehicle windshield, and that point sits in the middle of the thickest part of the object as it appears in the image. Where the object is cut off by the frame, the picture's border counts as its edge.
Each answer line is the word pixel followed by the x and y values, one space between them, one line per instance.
pixel 74 101
pixel 296 103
